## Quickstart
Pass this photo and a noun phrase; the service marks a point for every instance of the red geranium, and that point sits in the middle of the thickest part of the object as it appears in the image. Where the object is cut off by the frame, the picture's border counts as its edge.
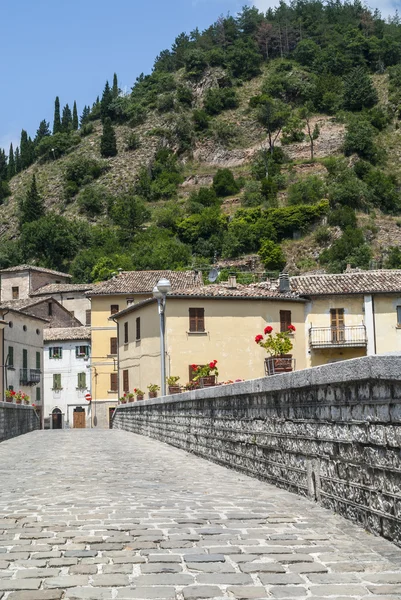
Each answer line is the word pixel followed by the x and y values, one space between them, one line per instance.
pixel 291 327
pixel 268 329
pixel 258 338
pixel 194 367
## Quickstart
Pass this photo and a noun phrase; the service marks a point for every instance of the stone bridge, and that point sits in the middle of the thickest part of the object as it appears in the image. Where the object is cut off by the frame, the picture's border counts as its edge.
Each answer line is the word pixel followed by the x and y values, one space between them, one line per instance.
pixel 87 514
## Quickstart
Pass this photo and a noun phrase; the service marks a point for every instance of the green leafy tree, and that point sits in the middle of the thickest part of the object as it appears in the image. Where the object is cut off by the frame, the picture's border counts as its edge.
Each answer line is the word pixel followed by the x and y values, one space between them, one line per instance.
pixel 108 141
pixel 393 260
pixel 129 213
pixel 272 115
pixel 359 91
pixel 310 190
pixel 32 206
pixel 313 132
pixel 272 256
pixel 75 123
pixel 360 139
pixel 56 118
pixel 350 248
pixel 224 183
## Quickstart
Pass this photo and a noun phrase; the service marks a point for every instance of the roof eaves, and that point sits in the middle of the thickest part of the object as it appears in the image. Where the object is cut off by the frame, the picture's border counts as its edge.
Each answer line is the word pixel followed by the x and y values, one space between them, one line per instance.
pixel 132 308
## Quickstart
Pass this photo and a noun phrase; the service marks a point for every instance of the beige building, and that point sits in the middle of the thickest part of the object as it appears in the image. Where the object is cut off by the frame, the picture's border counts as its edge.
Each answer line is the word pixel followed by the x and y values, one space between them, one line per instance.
pixel 107 299
pixel 18 283
pixel 213 322
pixel 350 314
pixel 71 296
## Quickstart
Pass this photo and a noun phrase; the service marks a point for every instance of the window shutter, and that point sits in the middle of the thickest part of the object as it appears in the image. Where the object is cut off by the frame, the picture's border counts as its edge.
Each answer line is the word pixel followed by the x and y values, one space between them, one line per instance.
pixel 113 345
pixel 113 382
pixel 88 317
pixel 192 319
pixel 197 319
pixel 38 360
pixel 57 381
pixel 398 317
pixel 138 328
pixel 82 380
pixel 38 394
pixel 125 381
pixel 126 333
pixel 10 356
pixel 24 359
pixel 285 320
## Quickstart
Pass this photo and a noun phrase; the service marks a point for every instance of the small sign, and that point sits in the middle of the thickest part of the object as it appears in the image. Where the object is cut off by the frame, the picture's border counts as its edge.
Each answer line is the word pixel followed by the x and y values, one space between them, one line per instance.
pixel 88 397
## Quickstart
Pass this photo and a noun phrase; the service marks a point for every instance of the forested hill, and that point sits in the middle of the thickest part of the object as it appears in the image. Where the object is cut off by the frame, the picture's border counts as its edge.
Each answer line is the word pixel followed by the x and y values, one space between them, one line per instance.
pixel 274 135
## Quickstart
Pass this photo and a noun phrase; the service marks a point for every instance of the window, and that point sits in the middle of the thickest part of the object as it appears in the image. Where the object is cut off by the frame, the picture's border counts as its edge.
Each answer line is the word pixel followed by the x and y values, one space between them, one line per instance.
pixel 50 309
pixel 57 381
pixel 25 359
pixel 81 351
pixel 138 329
pixel 285 319
pixel 113 345
pixel 10 361
pixel 38 360
pixel 56 352
pixel 88 317
pixel 196 319
pixel 113 382
pixel 25 328
pixel 15 292
pixel 398 316
pixel 125 381
pixel 114 309
pixel 82 381
pixel 192 373
pixel 126 333
pixel 38 394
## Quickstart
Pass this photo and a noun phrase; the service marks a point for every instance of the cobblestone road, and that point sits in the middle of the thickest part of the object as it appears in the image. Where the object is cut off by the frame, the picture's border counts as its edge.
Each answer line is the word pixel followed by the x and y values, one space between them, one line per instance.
pixel 107 514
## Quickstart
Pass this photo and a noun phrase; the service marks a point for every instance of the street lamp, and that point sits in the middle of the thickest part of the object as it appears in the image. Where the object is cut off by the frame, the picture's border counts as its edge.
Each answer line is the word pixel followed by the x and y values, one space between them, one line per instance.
pixel 160 291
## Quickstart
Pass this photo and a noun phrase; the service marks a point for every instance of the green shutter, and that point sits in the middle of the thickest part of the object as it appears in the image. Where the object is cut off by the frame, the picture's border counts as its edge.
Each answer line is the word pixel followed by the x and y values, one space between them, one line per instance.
pixel 37 394
pixel 57 381
pixel 25 359
pixel 10 356
pixel 38 360
pixel 82 380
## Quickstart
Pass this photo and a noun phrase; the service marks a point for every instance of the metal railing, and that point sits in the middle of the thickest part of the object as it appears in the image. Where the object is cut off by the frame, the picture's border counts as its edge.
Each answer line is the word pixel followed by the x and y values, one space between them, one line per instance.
pixel 338 337
pixel 29 376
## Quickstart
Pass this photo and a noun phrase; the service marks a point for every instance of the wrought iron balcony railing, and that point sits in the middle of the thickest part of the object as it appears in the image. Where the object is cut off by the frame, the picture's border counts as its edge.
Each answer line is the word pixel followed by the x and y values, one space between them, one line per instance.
pixel 29 376
pixel 338 337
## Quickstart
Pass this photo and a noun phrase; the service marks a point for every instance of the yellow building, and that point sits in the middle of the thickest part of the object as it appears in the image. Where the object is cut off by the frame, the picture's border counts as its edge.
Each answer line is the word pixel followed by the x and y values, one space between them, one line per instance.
pixel 214 322
pixel 349 315
pixel 108 298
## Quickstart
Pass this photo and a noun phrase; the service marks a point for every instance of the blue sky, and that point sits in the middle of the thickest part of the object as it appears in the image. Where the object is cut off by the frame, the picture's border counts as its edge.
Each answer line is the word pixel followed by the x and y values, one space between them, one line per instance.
pixel 69 49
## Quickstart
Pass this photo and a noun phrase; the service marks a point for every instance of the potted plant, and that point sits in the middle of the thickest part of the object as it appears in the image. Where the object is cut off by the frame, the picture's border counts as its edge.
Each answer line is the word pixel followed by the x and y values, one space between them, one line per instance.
pixel 18 397
pixel 10 394
pixel 123 399
pixel 56 356
pixel 139 394
pixel 207 374
pixel 278 347
pixel 130 396
pixel 192 385
pixel 172 381
pixel 153 389
pixel 25 398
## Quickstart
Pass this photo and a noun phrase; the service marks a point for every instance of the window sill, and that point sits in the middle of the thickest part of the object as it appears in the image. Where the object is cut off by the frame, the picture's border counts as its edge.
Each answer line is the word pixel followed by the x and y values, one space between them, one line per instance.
pixel 126 344
pixel 197 333
pixel 57 389
pixel 111 355
pixel 10 368
pixel 112 391
pixel 81 389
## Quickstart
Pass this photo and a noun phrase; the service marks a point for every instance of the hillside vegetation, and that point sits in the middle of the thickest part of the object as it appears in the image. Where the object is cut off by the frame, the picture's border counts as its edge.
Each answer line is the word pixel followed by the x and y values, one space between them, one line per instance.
pixel 273 134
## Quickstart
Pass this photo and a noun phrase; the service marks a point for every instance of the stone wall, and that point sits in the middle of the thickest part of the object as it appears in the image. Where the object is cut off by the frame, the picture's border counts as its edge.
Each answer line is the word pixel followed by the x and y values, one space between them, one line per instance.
pixel 16 419
pixel 331 433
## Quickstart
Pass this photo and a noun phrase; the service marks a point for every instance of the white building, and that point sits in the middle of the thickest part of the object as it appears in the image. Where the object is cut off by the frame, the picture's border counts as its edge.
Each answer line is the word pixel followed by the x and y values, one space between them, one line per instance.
pixel 67 377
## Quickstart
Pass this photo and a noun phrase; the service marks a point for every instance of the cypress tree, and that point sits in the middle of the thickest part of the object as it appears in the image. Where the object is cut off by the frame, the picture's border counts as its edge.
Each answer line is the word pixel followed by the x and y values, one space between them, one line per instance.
pixel 105 102
pixel 3 166
pixel 11 162
pixel 42 131
pixel 17 157
pixel 66 120
pixel 32 207
pixel 108 142
pixel 115 89
pixel 75 123
pixel 25 150
pixel 85 115
pixel 57 120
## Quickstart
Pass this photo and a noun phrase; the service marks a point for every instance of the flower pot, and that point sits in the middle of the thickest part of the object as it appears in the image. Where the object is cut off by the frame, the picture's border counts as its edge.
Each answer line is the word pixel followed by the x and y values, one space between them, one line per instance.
pixel 274 365
pixel 152 394
pixel 131 399
pixel 9 399
pixel 139 397
pixel 18 401
pixel 174 389
pixel 123 402
pixel 208 381
pixel 26 401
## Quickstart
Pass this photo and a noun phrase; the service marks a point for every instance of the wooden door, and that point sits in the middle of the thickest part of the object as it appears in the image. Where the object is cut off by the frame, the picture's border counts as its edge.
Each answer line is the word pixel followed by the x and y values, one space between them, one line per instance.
pixel 337 325
pixel 79 419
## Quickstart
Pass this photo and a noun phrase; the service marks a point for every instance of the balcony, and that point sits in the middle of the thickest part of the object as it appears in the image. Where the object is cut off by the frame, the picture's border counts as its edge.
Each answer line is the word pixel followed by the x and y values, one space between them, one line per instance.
pixel 29 376
pixel 338 337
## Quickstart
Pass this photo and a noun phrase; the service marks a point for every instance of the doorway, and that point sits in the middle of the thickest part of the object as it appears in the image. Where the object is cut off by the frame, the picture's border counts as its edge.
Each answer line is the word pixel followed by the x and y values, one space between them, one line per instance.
pixel 79 418
pixel 57 419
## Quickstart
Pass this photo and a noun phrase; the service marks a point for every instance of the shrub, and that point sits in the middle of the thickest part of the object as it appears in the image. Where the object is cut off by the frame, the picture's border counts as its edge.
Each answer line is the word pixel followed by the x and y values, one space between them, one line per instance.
pixel 165 102
pixel 132 142
pixel 224 183
pixel 272 256
pixel 360 138
pixel 350 248
pixel 343 217
pixel 195 63
pixel 79 172
pixel 219 99
pixel 322 235
pixel 86 129
pixel 393 260
pixel 137 115
pixel 307 191
pixel 53 147
pixel 252 195
pixel 359 91
pixel 225 133
pixel 185 95
pixel 200 120
pixel 91 201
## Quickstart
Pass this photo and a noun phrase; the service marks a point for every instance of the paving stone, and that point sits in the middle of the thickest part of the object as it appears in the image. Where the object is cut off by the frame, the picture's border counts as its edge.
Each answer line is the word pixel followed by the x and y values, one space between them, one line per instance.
pixel 224 578
pixel 313 567
pixel 34 573
pixel 284 591
pixel 37 595
pixel 62 562
pixel 201 591
pixel 19 584
pixel 211 567
pixel 385 589
pixel 151 593
pixel 198 558
pixel 114 580
pixel 280 579
pixel 127 569
pixel 64 581
pixel 135 559
pixel 83 570
pixel 381 577
pixel 291 558
pixel 161 568
pixel 88 593
pixel 240 591
pixel 259 567
pixel 164 579
pixel 168 558
pixel 339 590
pixel 80 553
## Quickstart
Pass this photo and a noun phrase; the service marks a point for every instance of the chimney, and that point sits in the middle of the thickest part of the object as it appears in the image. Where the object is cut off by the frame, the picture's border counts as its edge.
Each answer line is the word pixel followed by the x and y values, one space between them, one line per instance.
pixel 284 283
pixel 232 280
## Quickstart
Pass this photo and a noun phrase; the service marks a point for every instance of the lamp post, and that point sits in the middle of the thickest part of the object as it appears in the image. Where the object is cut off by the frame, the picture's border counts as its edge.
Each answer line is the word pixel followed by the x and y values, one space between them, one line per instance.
pixel 160 291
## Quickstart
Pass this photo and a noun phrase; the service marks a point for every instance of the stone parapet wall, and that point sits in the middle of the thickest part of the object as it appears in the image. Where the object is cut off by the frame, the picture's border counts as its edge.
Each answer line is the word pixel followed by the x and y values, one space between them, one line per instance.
pixel 332 433
pixel 16 419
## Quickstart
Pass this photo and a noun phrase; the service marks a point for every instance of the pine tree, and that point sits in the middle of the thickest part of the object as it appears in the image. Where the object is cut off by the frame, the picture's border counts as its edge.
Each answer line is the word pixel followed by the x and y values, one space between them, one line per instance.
pixel 43 131
pixel 106 100
pixel 17 157
pixel 57 120
pixel 108 142
pixel 32 207
pixel 75 123
pixel 115 90
pixel 26 150
pixel 3 166
pixel 11 162
pixel 85 115
pixel 66 120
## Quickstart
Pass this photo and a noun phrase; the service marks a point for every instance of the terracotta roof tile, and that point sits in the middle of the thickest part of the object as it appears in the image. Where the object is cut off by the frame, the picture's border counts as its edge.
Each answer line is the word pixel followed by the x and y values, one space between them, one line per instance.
pixel 359 282
pixel 66 333
pixel 141 282
pixel 34 268
pixel 58 288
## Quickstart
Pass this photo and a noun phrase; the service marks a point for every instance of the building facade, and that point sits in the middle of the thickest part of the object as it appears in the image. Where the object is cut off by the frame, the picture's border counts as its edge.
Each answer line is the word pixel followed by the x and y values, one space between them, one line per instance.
pixel 107 299
pixel 67 378
pixel 72 297
pixel 18 283
pixel 215 322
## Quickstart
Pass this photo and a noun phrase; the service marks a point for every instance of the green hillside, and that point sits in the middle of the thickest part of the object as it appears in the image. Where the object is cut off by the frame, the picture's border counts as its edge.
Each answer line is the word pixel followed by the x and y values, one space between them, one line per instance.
pixel 273 135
